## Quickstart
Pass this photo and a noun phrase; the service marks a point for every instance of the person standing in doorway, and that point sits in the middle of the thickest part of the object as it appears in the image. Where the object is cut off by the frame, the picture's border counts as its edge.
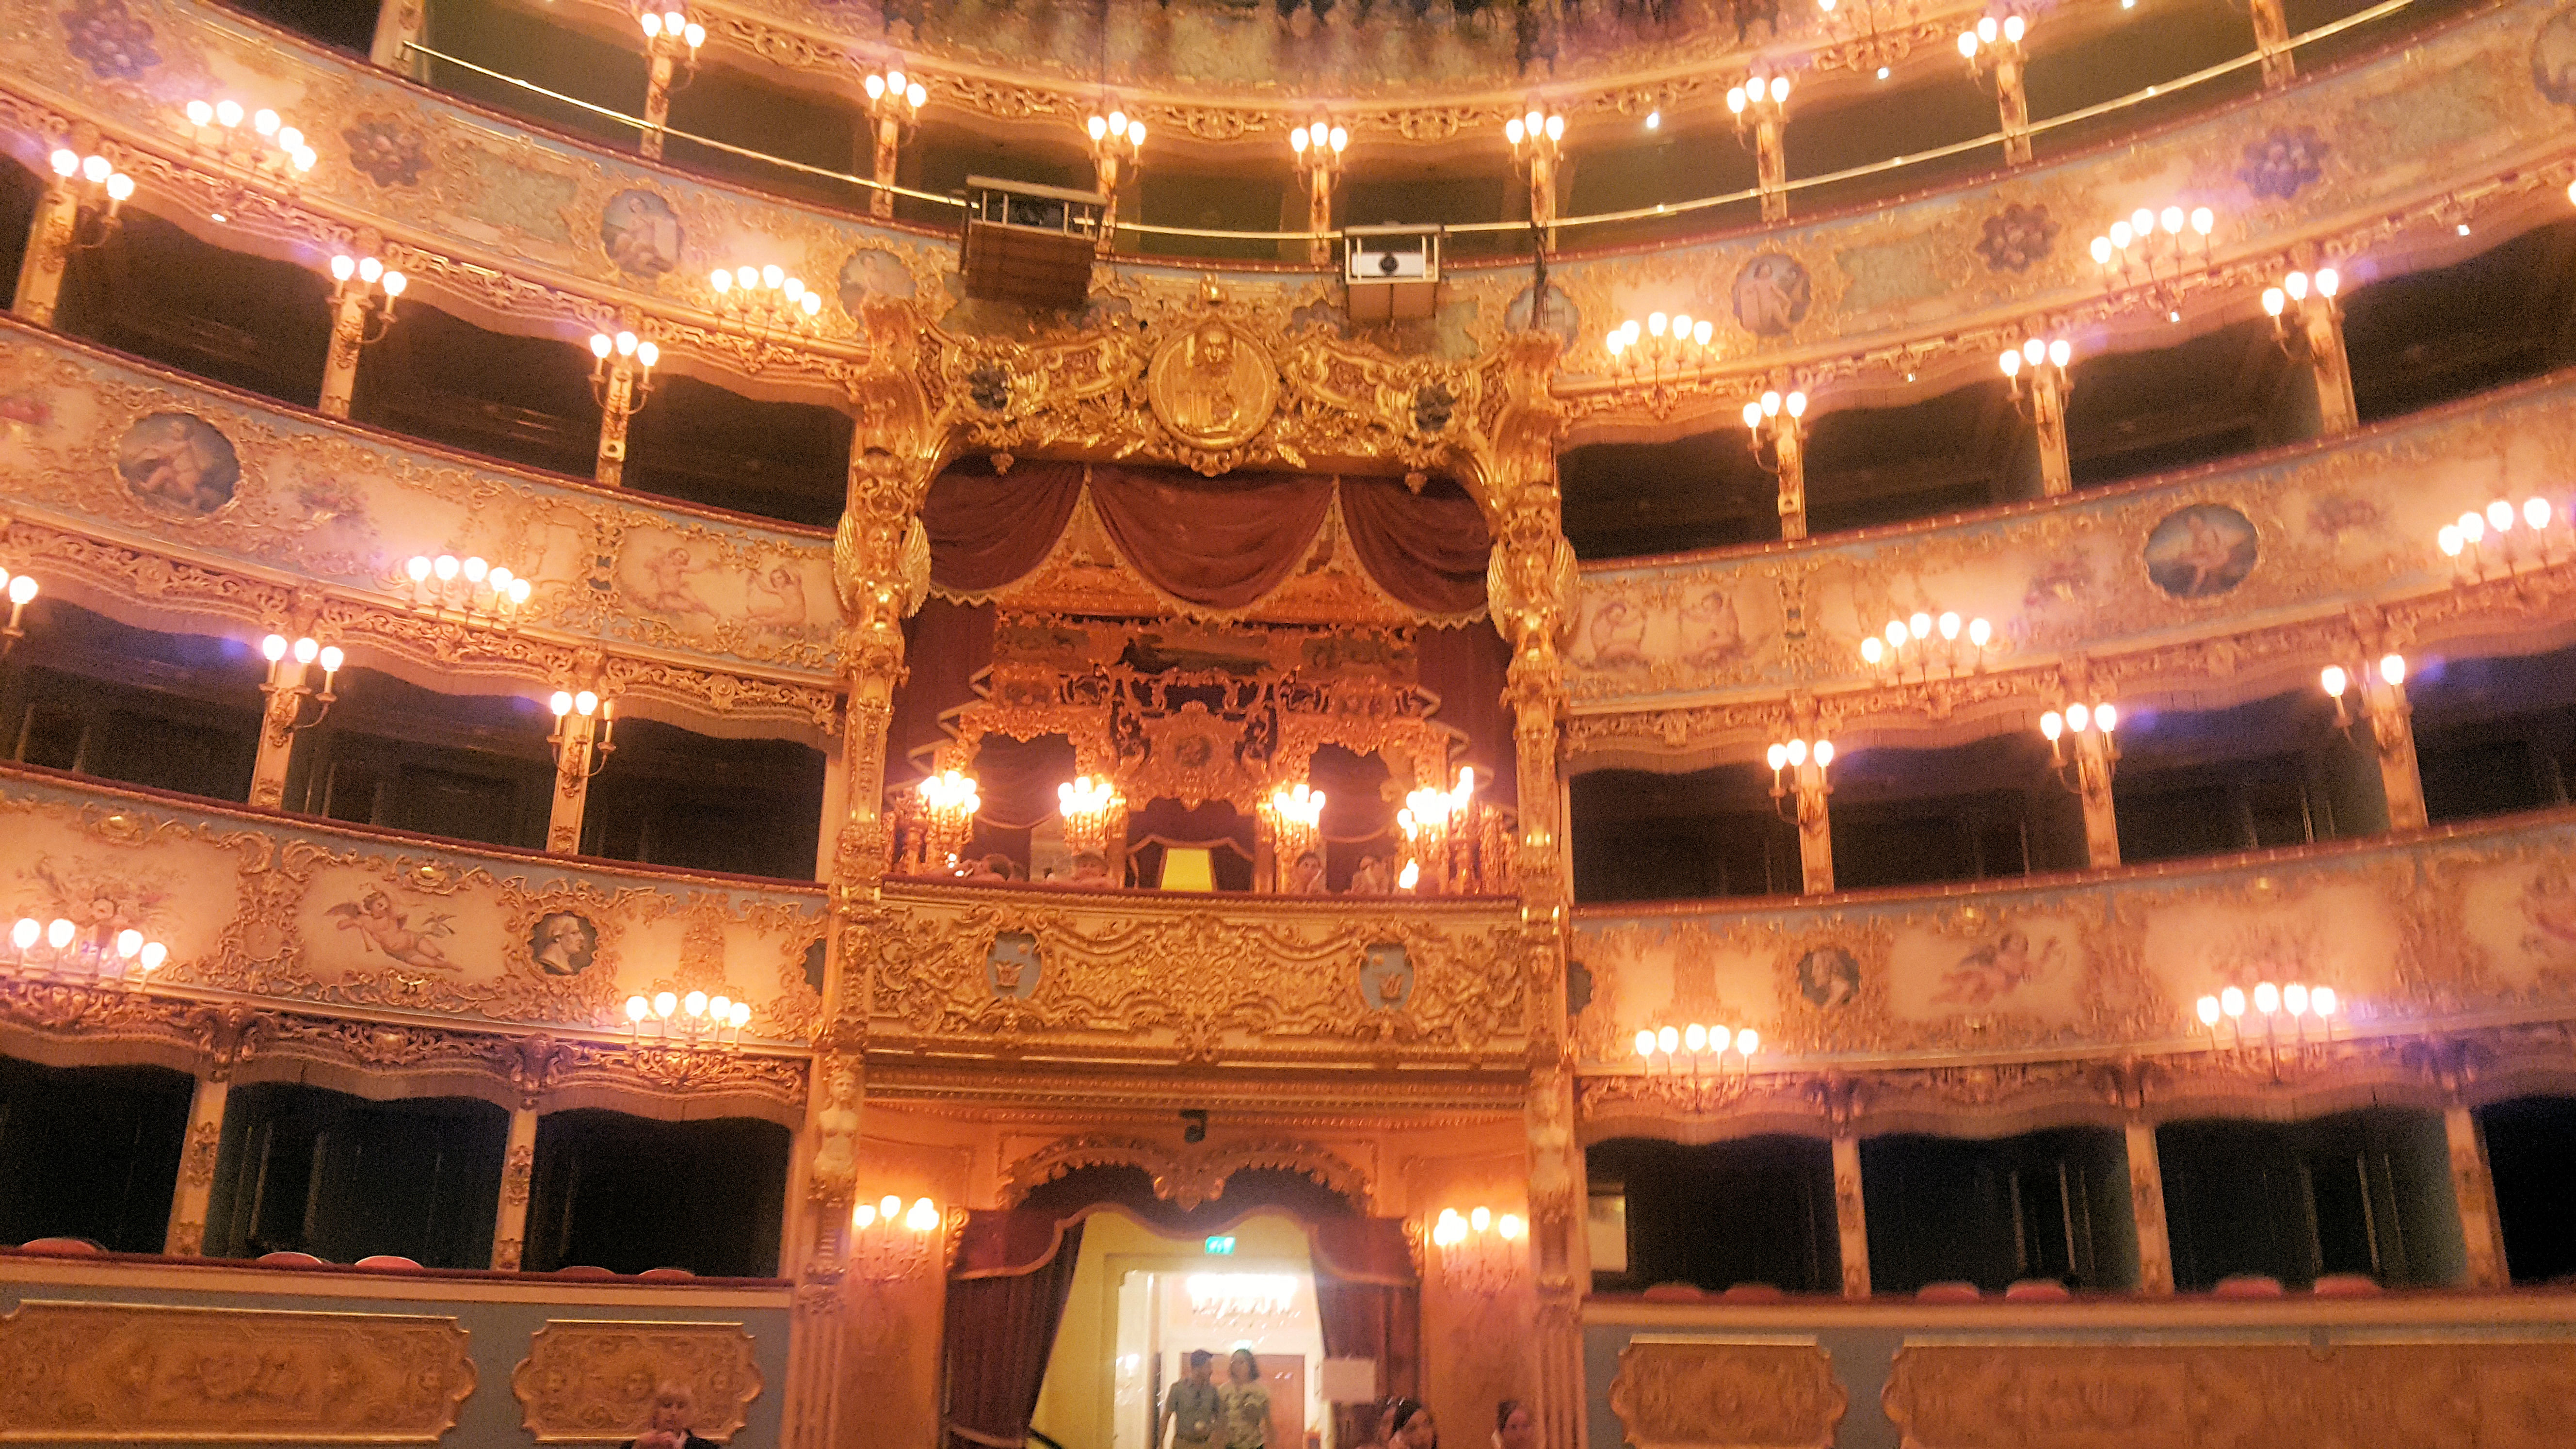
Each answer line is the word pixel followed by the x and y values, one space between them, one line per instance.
pixel 1247 1403
pixel 1193 1415
pixel 1515 1427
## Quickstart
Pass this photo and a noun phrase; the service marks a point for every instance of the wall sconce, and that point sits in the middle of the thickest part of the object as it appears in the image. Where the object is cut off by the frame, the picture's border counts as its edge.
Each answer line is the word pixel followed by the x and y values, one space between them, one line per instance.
pixel 1117 142
pixel 1806 767
pixel 1295 816
pixel 768 304
pixel 2093 723
pixel 2224 1014
pixel 668 30
pixel 97 190
pixel 286 689
pixel 1480 1252
pixel 1774 420
pixel 889 1244
pixel 2336 680
pixel 267 152
pixel 634 358
pixel 692 1021
pixel 2292 296
pixel 1426 822
pixel 2467 542
pixel 1318 149
pixel 365 290
pixel 1675 341
pixel 584 724
pixel 949 801
pixel 1922 640
pixel 106 953
pixel 1759 99
pixel 2046 363
pixel 22 590
pixel 1706 1046
pixel 1991 42
pixel 1537 138
pixel 1094 814
pixel 2153 251
pixel 477 592
pixel 894 103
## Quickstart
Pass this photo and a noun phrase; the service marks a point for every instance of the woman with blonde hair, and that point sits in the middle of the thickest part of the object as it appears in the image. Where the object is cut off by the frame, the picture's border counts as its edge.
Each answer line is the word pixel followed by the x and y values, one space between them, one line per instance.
pixel 675 1413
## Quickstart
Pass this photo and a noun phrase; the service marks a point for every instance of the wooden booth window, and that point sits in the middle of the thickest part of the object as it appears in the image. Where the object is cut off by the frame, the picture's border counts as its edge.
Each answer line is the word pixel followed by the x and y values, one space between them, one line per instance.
pixel 90 1152
pixel 2046 1205
pixel 2365 1192
pixel 1760 1210
pixel 629 1193
pixel 312 1171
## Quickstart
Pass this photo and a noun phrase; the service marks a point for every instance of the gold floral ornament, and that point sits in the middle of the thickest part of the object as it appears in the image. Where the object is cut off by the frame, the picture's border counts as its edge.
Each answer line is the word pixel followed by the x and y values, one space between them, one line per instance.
pixel 593 1382
pixel 1212 386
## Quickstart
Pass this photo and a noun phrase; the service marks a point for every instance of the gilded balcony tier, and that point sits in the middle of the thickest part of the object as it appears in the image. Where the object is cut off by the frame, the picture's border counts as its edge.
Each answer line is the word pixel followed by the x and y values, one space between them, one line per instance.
pixel 2074 997
pixel 542 235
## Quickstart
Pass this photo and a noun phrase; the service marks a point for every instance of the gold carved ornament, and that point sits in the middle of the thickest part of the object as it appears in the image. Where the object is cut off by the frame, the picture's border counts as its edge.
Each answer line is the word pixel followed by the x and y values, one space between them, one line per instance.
pixel 1190 1175
pixel 131 1373
pixel 1777 1394
pixel 588 1381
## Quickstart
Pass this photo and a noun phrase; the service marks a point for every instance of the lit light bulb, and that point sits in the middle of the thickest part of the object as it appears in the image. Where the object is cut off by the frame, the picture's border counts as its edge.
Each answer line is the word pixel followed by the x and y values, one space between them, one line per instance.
pixel 154 953
pixel 1872 651
pixel 2078 718
pixel 863 1217
pixel 274 647
pixel 305 650
pixel 1645 1043
pixel 2267 998
pixel 2104 717
pixel 2294 999
pixel 637 1008
pixel 1480 1219
pixel 2321 1000
pixel 2052 724
pixel 2231 1002
pixel 664 1003
pixel 26 933
pixel 561 704
pixel 1779 753
pixel 1979 631
pixel 1798 752
pixel 1919 624
pixel 129 942
pixel 2500 516
pixel 1695 1037
pixel 1747 1042
pixel 2392 668
pixel 741 1015
pixel 1948 624
pixel 2535 511
pixel 1824 753
pixel 2208 1008
pixel 695 1003
pixel 1510 1226
pixel 2449 539
pixel 1667 1040
pixel 2334 680
pixel 59 934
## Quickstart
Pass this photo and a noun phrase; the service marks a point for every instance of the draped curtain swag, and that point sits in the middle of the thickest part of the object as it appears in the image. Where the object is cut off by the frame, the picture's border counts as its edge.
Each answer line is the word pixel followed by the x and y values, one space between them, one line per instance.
pixel 1220 544
pixel 1005 1299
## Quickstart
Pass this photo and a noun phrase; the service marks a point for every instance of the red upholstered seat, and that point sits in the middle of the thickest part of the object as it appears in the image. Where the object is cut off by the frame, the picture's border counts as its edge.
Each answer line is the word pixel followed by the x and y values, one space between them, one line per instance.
pixel 388 1263
pixel 2346 1285
pixel 1676 1293
pixel 1753 1293
pixel 61 1247
pixel 583 1270
pixel 1951 1292
pixel 2038 1290
pixel 2247 1285
pixel 290 1260
pixel 664 1275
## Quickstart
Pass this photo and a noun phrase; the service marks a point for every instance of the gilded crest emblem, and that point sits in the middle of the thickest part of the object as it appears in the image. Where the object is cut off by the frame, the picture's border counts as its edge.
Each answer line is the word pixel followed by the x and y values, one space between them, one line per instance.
pixel 1212 386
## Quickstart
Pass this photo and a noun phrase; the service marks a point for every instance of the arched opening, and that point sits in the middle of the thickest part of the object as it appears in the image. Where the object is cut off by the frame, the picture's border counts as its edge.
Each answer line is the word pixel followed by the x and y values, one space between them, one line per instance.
pixel 1076 1315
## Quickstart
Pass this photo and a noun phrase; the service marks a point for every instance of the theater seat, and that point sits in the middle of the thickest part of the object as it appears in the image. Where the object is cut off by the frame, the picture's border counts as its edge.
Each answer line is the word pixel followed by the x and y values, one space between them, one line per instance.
pixel 1753 1293
pixel 388 1263
pixel 290 1260
pixel 2247 1285
pixel 2346 1285
pixel 584 1271
pixel 664 1275
pixel 61 1247
pixel 1676 1293
pixel 2037 1290
pixel 1950 1292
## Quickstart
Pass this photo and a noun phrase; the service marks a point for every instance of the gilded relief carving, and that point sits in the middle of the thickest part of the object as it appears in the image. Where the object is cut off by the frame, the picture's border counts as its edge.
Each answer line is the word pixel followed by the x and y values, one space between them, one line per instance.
pixel 1190 1175
pixel 592 1381
pixel 2505 1393
pixel 108 1373
pixel 1727 1394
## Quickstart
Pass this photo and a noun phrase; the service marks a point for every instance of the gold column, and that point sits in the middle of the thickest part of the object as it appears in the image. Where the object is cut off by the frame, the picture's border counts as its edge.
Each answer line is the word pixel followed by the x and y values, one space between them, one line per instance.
pixel 657 101
pixel 2337 412
pixel 889 137
pixel 2392 735
pixel 1815 829
pixel 616 407
pixel 49 251
pixel 518 1171
pixel 2048 415
pixel 1105 181
pixel 1789 438
pixel 2474 1187
pixel 398 24
pixel 1533 586
pixel 1771 164
pixel 1851 1221
pixel 2272 38
pixel 1319 213
pixel 2147 1206
pixel 187 1234
pixel 348 342
pixel 2013 105
pixel 573 753
pixel 277 732
pixel 881 573
pixel 2093 786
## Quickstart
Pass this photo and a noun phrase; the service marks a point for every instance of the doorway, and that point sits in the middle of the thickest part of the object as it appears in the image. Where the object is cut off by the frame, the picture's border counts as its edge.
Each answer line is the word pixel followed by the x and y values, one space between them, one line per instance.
pixel 1142 1301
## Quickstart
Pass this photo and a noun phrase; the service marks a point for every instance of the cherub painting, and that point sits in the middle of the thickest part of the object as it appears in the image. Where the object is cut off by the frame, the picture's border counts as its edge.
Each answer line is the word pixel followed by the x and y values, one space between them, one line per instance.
pixel 1618 631
pixel 663 582
pixel 1996 969
pixel 776 599
pixel 1712 635
pixel 382 928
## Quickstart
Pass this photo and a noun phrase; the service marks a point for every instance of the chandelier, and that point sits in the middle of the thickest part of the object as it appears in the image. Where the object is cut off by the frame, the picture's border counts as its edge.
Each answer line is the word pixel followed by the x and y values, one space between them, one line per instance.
pixel 1249 1301
pixel 948 806
pixel 1427 822
pixel 1095 814
pixel 1479 1250
pixel 1295 816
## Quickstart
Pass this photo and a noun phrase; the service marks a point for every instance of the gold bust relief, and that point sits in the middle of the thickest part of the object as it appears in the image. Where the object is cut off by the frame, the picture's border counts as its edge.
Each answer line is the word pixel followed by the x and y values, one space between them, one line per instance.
pixel 1213 387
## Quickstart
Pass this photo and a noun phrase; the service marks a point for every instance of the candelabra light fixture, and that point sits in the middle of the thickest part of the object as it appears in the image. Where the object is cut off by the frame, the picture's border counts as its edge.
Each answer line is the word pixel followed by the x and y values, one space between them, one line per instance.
pixel 1318 148
pixel 373 287
pixel 767 303
pixel 285 686
pixel 1537 138
pixel 2223 1015
pixel 2094 722
pixel 696 1020
pixel 1480 1249
pixel 21 590
pixel 471 589
pixel 2338 681
pixel 1698 1049
pixel 1992 42
pixel 948 805
pixel 97 189
pixel 669 30
pixel 1773 420
pixel 1660 342
pixel 1426 823
pixel 2288 300
pixel 585 729
pixel 106 953
pixel 267 151
pixel 2045 361
pixel 2502 535
pixel 2153 251
pixel 612 355
pixel 1923 643
pixel 889 1244
pixel 1117 148
pixel 1794 756
pixel 1095 814
pixel 1759 98
pixel 1295 815
pixel 894 104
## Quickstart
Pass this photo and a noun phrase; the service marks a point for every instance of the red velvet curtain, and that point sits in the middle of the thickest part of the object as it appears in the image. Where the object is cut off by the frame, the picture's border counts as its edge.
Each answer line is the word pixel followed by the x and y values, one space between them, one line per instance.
pixel 944 647
pixel 1428 550
pixel 1468 668
pixel 1221 543
pixel 988 531
pixel 1371 1307
pixel 1003 1310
